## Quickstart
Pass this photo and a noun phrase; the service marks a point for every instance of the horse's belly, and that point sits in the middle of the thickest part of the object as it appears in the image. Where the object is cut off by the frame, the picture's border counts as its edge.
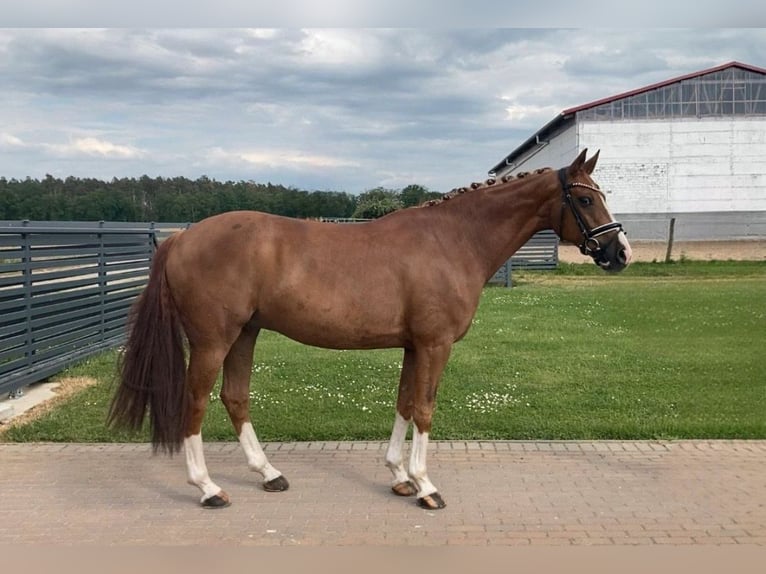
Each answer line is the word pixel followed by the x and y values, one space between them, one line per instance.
pixel 335 334
pixel 331 326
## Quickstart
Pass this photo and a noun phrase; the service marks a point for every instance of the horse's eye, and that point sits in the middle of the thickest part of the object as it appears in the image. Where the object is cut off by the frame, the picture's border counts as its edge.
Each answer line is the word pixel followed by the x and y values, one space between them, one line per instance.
pixel 585 201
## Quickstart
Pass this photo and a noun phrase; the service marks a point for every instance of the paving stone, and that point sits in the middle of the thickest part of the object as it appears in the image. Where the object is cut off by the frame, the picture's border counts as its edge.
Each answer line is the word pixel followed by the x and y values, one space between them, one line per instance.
pixel 504 493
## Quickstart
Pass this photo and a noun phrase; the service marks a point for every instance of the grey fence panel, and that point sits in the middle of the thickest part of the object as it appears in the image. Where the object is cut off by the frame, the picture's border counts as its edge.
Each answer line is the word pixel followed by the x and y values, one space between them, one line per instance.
pixel 65 292
pixel 125 285
pixel 10 348
pixel 540 252
pixel 10 281
pixel 161 230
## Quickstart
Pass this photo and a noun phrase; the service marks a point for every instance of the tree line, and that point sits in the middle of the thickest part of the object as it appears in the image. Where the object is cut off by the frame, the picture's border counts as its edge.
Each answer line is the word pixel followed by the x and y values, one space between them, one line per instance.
pixel 180 199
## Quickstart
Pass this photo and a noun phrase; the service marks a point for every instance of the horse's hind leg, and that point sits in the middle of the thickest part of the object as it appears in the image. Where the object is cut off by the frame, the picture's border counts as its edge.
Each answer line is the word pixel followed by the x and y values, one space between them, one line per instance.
pixel 204 365
pixel 235 396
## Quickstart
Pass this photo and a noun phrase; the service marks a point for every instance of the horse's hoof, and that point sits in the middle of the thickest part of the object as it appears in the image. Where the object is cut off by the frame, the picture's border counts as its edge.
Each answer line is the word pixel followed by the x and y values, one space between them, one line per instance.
pixel 431 501
pixel 277 484
pixel 220 500
pixel 406 488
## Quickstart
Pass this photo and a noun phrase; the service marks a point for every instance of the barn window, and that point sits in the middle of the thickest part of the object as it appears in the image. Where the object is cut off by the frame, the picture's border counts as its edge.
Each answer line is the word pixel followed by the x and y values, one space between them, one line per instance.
pixel 733 91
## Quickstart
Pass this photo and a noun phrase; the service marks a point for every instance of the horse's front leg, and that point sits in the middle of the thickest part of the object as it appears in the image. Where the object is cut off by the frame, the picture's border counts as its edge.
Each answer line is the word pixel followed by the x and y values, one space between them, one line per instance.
pixel 417 397
pixel 401 485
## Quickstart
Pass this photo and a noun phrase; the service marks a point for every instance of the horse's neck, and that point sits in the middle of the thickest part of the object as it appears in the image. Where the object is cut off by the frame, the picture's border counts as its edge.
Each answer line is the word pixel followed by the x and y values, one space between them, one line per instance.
pixel 495 221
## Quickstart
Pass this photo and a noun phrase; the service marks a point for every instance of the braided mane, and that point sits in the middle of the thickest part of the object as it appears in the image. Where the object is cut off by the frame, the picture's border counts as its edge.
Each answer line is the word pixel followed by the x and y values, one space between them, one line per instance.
pixel 478 185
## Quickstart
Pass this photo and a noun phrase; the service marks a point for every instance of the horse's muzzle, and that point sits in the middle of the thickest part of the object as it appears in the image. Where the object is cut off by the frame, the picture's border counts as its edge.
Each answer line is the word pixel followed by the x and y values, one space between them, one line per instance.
pixel 614 255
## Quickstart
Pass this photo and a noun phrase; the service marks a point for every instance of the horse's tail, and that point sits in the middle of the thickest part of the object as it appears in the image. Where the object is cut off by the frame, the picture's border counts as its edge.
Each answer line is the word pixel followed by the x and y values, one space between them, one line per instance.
pixel 153 365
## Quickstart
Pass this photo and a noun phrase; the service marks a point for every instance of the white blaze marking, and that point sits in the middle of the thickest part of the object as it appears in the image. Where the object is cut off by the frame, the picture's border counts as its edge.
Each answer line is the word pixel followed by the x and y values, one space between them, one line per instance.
pixel 626 246
pixel 196 468
pixel 395 446
pixel 256 458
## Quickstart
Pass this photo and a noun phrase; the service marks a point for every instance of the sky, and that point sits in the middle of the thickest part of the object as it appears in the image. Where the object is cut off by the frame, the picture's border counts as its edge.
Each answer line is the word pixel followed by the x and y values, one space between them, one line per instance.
pixel 318 108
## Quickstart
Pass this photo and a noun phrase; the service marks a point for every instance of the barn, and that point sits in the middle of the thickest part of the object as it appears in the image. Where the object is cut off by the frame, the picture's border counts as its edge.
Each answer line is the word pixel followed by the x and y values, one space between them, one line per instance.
pixel 691 148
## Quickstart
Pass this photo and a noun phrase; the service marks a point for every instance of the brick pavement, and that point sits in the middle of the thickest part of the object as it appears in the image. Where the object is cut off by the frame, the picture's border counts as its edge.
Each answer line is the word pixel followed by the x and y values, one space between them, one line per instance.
pixel 497 493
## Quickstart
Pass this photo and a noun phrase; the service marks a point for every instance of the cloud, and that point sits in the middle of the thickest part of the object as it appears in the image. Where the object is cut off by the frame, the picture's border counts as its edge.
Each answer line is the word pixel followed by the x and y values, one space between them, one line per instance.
pixel 336 108
pixel 529 114
pixel 284 159
pixel 95 147
pixel 82 146
pixel 398 13
pixel 346 48
pixel 10 142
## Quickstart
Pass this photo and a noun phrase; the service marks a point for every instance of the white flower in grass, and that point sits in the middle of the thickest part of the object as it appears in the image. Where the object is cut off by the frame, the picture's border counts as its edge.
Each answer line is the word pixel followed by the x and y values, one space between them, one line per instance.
pixel 491 401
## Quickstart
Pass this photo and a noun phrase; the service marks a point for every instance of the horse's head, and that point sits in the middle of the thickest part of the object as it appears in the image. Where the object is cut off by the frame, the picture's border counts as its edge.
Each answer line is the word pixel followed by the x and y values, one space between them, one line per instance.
pixel 585 219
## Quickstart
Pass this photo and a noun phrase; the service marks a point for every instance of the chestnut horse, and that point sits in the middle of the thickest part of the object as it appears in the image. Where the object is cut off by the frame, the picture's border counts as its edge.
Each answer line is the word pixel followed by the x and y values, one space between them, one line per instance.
pixel 411 279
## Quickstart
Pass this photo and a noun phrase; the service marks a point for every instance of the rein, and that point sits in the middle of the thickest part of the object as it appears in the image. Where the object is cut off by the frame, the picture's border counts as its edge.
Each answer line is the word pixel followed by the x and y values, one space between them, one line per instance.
pixel 590 245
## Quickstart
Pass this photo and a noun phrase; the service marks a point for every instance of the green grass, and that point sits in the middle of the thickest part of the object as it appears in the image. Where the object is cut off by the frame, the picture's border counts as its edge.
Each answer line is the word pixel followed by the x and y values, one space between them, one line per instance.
pixel 660 351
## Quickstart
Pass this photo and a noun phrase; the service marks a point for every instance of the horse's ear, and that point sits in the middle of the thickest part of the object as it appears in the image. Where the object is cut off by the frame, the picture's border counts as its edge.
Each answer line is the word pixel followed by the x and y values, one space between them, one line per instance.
pixel 590 165
pixel 577 163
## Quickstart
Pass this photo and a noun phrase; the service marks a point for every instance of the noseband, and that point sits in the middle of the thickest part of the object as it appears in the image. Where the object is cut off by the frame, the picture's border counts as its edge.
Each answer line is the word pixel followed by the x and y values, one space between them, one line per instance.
pixel 590 244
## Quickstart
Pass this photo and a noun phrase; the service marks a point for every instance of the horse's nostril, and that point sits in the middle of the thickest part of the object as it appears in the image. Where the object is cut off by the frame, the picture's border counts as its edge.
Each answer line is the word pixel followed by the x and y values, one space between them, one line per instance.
pixel 622 257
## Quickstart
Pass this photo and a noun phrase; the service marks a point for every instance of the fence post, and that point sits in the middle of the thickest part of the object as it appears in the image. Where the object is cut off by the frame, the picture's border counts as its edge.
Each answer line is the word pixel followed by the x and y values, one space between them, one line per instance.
pixel 102 281
pixel 671 232
pixel 153 235
pixel 27 260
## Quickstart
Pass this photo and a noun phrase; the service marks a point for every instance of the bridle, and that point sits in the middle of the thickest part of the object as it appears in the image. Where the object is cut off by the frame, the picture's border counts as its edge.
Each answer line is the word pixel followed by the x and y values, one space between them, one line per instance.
pixel 590 244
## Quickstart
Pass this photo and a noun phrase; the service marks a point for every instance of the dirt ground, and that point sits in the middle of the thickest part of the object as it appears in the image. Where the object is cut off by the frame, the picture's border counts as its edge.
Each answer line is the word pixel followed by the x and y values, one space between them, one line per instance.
pixel 745 250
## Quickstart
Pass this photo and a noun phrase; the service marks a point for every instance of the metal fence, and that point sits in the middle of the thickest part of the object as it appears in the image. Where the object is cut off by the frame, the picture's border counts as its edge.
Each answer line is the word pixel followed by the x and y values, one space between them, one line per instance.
pixel 540 252
pixel 65 290
pixel 161 230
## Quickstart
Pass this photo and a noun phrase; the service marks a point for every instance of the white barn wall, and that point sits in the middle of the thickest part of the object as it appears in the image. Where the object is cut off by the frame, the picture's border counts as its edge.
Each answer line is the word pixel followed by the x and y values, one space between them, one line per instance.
pixel 679 166
pixel 560 151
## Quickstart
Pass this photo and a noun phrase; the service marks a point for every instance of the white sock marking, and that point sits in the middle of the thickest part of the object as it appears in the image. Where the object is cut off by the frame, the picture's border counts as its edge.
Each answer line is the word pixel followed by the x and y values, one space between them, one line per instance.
pixel 196 468
pixel 256 458
pixel 394 459
pixel 418 464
